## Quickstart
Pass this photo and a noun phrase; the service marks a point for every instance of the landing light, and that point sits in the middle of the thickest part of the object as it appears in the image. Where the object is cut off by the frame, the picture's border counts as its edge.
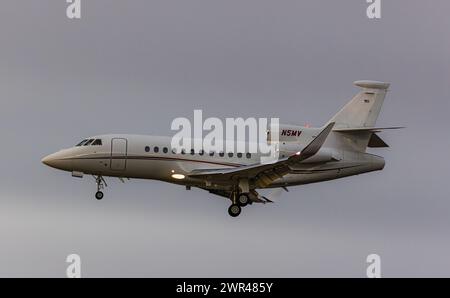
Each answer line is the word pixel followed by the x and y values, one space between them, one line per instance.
pixel 178 176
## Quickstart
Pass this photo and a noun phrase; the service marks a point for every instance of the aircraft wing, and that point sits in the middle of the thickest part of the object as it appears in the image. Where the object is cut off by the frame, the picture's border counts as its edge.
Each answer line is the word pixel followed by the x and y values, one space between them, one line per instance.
pixel 266 173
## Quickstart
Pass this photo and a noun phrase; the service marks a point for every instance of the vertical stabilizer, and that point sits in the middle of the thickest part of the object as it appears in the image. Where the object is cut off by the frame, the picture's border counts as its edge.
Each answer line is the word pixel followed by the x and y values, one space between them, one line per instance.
pixel 363 109
pixel 360 112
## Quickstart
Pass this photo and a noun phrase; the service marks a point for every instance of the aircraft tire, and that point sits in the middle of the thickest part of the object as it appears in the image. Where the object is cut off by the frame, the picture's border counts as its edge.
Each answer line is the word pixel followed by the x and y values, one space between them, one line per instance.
pixel 234 210
pixel 243 199
pixel 99 195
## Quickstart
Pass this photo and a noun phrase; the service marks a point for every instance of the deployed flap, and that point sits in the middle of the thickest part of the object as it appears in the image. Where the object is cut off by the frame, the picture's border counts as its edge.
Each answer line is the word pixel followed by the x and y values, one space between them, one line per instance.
pixel 376 142
pixel 254 196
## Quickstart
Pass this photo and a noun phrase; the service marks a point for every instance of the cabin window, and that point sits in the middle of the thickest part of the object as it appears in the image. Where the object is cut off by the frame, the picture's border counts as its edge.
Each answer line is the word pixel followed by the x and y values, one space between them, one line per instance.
pixel 156 149
pixel 211 153
pixel 248 155
pixel 239 155
pixel 221 154
pixel 230 154
pixel 81 143
pixel 88 142
pixel 201 152
pixel 147 149
pixel 97 142
pixel 165 150
pixel 192 152
pixel 183 151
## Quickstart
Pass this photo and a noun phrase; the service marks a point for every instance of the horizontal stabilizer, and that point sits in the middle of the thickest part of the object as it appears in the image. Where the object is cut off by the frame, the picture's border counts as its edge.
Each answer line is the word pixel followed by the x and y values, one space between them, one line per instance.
pixel 364 129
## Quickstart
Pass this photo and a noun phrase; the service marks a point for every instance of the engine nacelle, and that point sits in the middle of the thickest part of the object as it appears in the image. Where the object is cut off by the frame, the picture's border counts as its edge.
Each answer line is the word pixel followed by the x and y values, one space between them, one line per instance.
pixel 287 133
pixel 288 149
pixel 292 139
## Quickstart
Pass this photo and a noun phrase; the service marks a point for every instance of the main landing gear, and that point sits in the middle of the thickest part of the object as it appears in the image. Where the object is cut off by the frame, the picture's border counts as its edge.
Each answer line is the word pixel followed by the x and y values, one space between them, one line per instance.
pixel 234 210
pixel 239 200
pixel 101 183
pixel 243 199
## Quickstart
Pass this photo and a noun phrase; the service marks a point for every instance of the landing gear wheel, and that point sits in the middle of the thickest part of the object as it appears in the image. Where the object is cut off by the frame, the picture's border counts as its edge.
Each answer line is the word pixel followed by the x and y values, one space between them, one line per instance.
pixel 101 183
pixel 243 199
pixel 99 195
pixel 234 210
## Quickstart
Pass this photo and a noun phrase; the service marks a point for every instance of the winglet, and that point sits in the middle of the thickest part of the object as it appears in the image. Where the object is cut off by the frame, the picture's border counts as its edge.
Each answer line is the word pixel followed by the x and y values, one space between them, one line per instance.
pixel 315 145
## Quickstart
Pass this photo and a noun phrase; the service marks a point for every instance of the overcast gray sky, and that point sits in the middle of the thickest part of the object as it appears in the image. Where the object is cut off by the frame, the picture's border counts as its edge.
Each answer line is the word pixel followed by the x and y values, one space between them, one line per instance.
pixel 133 66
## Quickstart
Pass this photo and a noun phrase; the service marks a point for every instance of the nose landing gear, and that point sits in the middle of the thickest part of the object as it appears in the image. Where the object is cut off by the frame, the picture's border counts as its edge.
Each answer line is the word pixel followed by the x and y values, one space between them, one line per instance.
pixel 99 195
pixel 101 183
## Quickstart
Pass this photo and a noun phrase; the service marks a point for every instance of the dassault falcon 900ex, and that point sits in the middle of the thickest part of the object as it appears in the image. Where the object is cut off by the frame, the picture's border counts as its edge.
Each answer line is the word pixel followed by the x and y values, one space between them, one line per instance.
pixel 306 155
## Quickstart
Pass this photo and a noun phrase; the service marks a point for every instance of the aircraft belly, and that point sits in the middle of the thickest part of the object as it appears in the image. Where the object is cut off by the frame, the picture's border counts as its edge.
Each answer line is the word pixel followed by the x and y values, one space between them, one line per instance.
pixel 147 169
pixel 163 169
pixel 297 179
pixel 304 175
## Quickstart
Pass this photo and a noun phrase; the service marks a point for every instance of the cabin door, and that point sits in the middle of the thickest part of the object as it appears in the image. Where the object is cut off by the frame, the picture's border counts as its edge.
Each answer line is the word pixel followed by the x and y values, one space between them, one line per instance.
pixel 118 154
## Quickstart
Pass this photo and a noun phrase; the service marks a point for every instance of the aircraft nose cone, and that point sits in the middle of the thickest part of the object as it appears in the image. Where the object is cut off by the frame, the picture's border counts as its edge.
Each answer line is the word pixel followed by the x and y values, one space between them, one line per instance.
pixel 49 160
pixel 58 160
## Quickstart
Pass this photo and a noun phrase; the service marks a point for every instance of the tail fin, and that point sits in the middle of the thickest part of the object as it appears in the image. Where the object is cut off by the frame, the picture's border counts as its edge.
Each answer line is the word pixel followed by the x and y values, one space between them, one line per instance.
pixel 354 121
pixel 363 109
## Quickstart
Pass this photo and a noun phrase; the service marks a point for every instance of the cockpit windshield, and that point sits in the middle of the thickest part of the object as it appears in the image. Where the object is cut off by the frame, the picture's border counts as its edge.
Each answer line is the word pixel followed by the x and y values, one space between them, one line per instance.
pixel 80 143
pixel 92 142
pixel 97 142
pixel 88 142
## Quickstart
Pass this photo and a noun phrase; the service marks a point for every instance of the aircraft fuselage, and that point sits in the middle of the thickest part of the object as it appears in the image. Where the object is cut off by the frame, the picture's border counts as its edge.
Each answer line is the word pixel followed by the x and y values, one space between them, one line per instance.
pixel 134 156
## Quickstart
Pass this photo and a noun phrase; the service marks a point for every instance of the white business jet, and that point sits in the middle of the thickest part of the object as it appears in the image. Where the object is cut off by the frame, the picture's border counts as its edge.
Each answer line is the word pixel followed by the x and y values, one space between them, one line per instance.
pixel 306 155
